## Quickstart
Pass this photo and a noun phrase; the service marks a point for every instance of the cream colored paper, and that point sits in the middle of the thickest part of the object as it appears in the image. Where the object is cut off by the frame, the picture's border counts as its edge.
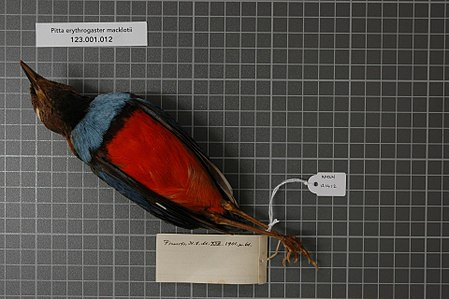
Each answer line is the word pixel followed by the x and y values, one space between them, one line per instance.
pixel 226 259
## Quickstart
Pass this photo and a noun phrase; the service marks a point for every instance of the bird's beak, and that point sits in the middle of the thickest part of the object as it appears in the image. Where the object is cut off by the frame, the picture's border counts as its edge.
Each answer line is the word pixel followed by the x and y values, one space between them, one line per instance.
pixel 32 75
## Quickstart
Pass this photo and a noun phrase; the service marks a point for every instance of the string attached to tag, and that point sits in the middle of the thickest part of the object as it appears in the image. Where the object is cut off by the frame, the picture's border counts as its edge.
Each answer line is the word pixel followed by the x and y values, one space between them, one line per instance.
pixel 274 221
pixel 321 184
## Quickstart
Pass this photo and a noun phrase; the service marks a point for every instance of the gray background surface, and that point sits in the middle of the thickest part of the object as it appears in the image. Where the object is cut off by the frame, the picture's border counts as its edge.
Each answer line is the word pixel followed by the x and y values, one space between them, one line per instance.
pixel 270 91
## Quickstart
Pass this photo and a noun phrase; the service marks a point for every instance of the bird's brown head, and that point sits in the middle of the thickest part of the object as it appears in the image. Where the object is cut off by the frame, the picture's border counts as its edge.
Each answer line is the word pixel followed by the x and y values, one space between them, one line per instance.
pixel 58 106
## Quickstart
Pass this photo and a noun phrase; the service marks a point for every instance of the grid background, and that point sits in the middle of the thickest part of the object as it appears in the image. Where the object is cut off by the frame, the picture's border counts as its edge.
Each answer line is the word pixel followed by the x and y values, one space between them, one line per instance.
pixel 270 90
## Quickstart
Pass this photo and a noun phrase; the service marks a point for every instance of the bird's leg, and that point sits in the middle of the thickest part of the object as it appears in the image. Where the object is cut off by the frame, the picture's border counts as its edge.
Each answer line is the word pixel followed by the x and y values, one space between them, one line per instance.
pixel 236 211
pixel 291 243
pixel 283 238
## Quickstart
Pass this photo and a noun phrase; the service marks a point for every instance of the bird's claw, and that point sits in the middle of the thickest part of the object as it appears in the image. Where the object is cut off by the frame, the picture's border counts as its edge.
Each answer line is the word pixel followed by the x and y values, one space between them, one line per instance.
pixel 293 246
pixel 296 258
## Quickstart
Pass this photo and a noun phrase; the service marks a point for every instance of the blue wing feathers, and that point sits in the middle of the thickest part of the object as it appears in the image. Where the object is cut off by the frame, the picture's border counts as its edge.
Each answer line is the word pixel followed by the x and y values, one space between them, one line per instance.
pixel 138 198
pixel 150 201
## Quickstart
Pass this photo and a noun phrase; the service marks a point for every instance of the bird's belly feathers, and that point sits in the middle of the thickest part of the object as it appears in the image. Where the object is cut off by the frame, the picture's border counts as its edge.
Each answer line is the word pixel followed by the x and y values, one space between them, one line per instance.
pixel 151 154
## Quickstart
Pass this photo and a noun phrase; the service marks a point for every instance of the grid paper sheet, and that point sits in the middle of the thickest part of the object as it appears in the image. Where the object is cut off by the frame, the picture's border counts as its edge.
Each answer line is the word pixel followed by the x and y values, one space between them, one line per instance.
pixel 270 90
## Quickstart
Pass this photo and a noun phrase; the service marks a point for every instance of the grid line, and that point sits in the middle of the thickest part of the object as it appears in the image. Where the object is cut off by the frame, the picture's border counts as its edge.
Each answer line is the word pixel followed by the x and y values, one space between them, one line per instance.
pixel 270 90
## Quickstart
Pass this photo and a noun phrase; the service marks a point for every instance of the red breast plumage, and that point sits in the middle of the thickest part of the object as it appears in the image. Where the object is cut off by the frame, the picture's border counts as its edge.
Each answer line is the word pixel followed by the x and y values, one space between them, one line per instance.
pixel 149 153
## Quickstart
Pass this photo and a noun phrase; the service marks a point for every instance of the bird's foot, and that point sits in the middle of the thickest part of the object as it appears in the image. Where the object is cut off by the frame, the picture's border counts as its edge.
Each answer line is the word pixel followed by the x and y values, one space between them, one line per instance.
pixel 293 248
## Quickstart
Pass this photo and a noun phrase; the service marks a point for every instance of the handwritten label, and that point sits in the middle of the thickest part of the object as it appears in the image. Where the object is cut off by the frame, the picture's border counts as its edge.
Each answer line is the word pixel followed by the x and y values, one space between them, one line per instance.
pixel 225 259
pixel 216 243
pixel 328 184
pixel 91 34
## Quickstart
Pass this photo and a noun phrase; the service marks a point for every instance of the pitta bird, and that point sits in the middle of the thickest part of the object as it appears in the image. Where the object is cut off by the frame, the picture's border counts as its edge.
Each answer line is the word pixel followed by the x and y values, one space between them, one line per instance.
pixel 136 148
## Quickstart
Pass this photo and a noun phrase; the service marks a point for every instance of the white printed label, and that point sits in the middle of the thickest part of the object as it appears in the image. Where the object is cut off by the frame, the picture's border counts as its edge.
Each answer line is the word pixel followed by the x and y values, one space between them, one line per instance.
pixel 122 34
pixel 328 184
pixel 225 259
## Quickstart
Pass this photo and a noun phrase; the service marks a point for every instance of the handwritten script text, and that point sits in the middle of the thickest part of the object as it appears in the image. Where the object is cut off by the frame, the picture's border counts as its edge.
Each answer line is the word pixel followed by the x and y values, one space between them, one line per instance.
pixel 217 243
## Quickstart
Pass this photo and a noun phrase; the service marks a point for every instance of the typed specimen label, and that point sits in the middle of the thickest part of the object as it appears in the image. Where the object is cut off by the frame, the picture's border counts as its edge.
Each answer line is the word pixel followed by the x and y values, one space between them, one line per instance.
pixel 123 34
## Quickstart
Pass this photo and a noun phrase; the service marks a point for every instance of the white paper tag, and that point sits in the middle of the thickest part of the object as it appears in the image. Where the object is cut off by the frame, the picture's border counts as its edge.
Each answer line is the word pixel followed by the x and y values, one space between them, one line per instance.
pixel 328 184
pixel 224 259
pixel 91 34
